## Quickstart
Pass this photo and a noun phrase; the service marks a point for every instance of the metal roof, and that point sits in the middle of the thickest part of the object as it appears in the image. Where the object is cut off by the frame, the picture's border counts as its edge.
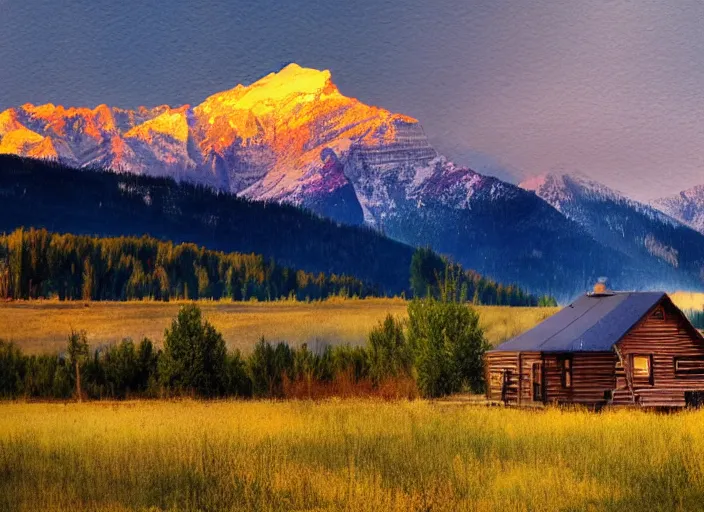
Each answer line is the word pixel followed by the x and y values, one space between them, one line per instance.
pixel 592 323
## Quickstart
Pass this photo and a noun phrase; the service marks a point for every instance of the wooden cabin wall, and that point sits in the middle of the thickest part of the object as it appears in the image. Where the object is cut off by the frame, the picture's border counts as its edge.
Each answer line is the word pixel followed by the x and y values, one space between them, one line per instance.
pixel 496 363
pixel 499 362
pixel 592 377
pixel 526 383
pixel 664 340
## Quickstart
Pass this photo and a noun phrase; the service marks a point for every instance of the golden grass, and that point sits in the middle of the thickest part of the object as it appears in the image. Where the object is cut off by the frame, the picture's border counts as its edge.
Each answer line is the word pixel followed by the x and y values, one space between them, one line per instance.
pixel 688 300
pixel 43 326
pixel 345 455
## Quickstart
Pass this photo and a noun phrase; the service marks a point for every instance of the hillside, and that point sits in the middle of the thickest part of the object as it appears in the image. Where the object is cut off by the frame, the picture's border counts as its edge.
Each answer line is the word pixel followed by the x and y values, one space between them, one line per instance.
pixel 650 238
pixel 49 195
pixel 42 194
pixel 293 137
pixel 687 207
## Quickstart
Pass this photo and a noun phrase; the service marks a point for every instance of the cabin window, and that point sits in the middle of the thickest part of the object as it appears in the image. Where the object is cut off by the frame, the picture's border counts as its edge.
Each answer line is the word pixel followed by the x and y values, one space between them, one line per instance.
pixel 566 371
pixel 642 366
pixel 658 314
pixel 537 378
pixel 689 366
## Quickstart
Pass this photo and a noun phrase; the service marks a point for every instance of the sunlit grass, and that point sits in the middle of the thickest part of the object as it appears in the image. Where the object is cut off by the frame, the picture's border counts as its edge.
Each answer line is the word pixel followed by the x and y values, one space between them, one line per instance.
pixel 42 326
pixel 345 455
pixel 688 300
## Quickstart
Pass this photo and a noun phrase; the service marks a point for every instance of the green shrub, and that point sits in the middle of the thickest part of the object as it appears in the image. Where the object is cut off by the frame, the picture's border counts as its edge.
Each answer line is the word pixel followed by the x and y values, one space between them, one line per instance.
pixel 268 364
pixel 12 368
pixel 194 355
pixel 389 354
pixel 237 381
pixel 448 344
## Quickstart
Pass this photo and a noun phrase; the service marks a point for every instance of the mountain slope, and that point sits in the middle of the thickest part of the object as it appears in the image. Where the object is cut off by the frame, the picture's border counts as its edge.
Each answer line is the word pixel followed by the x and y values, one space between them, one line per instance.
pixel 293 137
pixel 277 139
pixel 45 194
pixel 649 237
pixel 687 207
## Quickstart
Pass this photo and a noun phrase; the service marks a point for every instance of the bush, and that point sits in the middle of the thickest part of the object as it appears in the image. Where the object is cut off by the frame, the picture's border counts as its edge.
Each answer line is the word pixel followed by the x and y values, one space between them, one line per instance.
pixel 268 365
pixel 194 357
pixel 12 365
pixel 448 344
pixel 47 377
pixel 237 381
pixel 350 361
pixel 389 354
pixel 129 369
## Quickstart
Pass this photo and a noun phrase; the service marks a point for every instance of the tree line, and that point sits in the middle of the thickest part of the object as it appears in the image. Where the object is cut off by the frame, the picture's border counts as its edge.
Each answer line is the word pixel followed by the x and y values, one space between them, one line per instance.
pixel 49 194
pixel 438 351
pixel 35 263
pixel 429 273
pixel 696 316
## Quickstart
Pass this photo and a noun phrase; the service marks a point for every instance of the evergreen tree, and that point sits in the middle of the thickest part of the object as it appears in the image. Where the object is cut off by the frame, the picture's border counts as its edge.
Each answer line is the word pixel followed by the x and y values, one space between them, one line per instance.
pixel 77 352
pixel 389 354
pixel 194 355
pixel 448 343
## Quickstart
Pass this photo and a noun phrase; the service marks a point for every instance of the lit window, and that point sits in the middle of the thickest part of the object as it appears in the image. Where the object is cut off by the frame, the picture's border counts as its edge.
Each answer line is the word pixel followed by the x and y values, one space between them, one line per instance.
pixel 497 379
pixel 641 366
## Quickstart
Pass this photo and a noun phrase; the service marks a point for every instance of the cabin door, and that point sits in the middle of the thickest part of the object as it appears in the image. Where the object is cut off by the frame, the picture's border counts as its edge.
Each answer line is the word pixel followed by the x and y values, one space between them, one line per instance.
pixel 505 383
pixel 537 381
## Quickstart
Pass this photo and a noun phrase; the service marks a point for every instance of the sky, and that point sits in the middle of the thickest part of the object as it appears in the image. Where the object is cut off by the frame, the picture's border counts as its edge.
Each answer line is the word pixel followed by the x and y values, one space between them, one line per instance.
pixel 612 89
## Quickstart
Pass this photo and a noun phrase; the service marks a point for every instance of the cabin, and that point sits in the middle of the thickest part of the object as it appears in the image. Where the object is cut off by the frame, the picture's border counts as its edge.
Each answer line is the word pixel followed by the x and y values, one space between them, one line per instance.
pixel 606 348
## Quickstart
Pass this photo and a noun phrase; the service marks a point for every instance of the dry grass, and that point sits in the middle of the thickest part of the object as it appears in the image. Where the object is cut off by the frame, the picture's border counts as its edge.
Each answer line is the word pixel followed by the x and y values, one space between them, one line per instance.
pixel 688 300
pixel 345 455
pixel 42 326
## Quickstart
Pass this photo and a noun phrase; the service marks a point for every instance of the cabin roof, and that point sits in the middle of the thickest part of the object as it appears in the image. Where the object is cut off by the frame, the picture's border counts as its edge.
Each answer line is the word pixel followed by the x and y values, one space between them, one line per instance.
pixel 592 323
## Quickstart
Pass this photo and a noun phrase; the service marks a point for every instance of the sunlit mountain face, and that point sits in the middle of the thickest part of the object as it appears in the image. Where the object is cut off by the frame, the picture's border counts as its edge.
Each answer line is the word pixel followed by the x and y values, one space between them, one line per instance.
pixel 286 137
pixel 294 137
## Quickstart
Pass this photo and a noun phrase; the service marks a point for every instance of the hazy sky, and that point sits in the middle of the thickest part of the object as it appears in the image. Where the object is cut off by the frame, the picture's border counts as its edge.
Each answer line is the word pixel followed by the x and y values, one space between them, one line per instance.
pixel 612 89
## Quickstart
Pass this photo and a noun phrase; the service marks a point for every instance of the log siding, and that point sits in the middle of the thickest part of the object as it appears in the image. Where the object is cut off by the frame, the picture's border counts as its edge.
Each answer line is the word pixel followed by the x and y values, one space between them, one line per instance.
pixel 673 348
pixel 665 341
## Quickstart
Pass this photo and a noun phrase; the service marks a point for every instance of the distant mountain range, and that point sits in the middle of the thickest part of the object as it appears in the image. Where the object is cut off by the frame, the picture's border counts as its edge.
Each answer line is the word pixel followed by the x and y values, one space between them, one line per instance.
pixel 649 237
pixel 292 137
pixel 687 207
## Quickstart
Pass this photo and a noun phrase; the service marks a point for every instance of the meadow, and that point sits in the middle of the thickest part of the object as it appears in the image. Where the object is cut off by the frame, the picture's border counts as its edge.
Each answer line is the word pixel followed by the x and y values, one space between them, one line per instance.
pixel 345 455
pixel 43 326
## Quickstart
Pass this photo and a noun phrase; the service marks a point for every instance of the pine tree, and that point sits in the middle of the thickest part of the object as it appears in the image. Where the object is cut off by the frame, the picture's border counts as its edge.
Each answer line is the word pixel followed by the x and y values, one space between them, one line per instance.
pixel 77 352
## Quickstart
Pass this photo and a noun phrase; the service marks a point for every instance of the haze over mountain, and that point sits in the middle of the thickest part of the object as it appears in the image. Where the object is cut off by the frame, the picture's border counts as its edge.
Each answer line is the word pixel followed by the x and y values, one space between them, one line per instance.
pixel 687 207
pixel 293 137
pixel 646 235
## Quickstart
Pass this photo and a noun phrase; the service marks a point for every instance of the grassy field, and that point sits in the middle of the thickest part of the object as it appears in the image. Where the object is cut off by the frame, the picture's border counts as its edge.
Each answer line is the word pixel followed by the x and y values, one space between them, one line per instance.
pixel 42 326
pixel 345 455
pixel 688 300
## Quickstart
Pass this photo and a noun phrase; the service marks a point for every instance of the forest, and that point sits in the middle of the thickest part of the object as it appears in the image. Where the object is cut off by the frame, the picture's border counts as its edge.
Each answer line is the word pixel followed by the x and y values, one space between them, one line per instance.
pixel 46 194
pixel 35 263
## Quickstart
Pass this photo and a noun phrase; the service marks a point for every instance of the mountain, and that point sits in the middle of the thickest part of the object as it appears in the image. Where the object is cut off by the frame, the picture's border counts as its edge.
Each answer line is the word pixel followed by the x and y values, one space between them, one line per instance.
pixel 649 237
pixel 293 137
pixel 41 194
pixel 282 138
pixel 687 207
pixel 336 257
